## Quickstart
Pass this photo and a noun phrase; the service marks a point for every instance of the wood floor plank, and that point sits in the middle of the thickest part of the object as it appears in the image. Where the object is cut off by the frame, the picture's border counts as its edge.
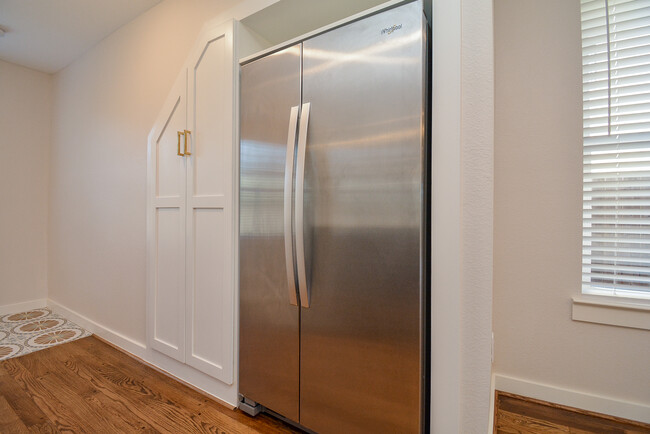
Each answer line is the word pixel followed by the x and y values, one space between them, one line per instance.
pixel 114 415
pixel 516 414
pixel 188 397
pixel 63 417
pixel 165 412
pixel 87 404
pixel 10 422
pixel 21 402
pixel 87 385
pixel 44 428
pixel 512 423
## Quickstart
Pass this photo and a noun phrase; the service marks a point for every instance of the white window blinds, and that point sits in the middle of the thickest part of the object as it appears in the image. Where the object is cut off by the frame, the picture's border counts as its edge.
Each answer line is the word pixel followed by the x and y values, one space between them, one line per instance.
pixel 616 147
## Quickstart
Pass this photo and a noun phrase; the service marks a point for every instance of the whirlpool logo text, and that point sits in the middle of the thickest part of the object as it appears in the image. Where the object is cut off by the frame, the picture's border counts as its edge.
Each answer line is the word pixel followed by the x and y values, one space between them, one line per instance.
pixel 391 29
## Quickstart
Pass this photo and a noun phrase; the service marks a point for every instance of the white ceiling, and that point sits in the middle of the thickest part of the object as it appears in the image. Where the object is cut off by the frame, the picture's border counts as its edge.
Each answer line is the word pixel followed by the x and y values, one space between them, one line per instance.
pixel 48 35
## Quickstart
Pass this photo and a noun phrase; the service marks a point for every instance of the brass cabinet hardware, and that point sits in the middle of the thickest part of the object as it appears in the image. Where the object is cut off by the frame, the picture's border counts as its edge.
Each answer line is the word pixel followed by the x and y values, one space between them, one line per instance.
pixel 185 152
pixel 178 151
pixel 187 133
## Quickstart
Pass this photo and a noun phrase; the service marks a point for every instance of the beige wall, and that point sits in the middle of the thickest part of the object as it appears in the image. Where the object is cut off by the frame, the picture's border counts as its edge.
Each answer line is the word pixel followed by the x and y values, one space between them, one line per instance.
pixel 25 107
pixel 105 103
pixel 537 225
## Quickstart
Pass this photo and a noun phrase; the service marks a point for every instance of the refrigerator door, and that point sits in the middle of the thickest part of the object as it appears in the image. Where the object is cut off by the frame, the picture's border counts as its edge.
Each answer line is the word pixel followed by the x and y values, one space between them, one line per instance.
pixel 361 334
pixel 269 343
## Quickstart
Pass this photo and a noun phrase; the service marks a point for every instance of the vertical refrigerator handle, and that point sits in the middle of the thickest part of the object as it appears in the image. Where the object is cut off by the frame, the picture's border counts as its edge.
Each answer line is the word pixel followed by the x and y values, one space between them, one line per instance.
pixel 288 178
pixel 299 208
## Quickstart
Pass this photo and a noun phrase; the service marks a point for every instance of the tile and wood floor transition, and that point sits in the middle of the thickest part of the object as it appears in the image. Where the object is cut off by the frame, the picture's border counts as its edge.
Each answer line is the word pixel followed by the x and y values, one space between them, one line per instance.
pixel 89 386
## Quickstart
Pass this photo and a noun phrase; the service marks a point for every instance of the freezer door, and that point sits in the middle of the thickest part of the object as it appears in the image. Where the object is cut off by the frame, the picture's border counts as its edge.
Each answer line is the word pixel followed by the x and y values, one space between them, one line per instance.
pixel 360 336
pixel 269 341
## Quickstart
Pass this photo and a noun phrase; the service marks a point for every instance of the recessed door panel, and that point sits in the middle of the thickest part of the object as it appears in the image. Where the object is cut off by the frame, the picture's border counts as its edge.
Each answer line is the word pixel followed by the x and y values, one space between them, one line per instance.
pixel 169 280
pixel 210 332
pixel 211 166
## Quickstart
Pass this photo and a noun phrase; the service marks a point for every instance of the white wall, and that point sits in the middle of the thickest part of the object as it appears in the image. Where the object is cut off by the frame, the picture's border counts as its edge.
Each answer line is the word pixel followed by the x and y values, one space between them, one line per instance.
pixel 537 218
pixel 25 120
pixel 105 103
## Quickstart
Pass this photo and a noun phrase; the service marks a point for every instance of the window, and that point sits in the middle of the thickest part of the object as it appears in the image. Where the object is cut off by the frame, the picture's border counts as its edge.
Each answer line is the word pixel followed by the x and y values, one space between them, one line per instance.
pixel 616 147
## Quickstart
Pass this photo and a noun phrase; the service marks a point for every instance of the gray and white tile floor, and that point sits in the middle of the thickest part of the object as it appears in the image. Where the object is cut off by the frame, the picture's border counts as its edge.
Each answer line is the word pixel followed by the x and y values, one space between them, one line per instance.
pixel 26 332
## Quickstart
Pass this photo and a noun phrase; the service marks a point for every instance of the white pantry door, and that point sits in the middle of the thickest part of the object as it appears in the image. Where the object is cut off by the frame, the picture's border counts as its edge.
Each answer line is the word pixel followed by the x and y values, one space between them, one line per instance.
pixel 210 220
pixel 166 235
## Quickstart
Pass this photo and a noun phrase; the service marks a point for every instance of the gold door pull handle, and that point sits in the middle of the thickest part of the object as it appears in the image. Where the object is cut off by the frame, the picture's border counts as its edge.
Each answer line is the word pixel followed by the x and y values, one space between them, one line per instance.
pixel 178 151
pixel 187 133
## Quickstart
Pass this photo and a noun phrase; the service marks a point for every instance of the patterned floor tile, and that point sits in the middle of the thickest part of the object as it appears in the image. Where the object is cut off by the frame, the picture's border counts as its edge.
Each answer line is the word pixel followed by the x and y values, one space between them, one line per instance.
pixel 26 332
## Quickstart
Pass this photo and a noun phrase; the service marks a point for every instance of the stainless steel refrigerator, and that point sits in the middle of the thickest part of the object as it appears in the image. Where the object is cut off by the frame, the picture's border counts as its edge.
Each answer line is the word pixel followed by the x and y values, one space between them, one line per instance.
pixel 334 227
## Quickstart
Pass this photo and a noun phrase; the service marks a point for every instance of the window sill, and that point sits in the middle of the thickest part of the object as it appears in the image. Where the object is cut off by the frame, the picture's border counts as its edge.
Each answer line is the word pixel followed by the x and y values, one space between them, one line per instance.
pixel 632 313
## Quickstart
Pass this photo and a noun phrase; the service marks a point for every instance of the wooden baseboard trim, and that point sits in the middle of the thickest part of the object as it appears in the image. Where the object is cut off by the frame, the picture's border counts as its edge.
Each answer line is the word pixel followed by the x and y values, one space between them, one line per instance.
pixel 167 374
pixel 538 411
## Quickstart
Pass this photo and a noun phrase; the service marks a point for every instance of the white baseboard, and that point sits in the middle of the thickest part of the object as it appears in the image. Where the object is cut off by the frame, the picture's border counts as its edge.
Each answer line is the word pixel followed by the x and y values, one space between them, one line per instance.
pixel 573 398
pixel 226 394
pixel 134 347
pixel 23 307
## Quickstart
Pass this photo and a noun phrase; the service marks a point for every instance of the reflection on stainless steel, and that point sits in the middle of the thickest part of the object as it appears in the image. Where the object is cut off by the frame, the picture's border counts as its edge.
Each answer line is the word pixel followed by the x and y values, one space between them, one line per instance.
pixel 260 187
pixel 301 266
pixel 378 54
pixel 358 228
pixel 274 81
pixel 288 181
pixel 269 324
pixel 360 340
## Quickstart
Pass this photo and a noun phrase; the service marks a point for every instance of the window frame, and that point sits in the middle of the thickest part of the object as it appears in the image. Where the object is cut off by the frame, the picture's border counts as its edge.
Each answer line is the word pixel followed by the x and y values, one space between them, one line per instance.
pixel 615 182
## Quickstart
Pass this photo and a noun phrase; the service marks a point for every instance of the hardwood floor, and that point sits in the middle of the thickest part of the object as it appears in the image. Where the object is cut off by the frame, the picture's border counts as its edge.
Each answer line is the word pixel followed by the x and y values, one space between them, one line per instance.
pixel 518 414
pixel 88 386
